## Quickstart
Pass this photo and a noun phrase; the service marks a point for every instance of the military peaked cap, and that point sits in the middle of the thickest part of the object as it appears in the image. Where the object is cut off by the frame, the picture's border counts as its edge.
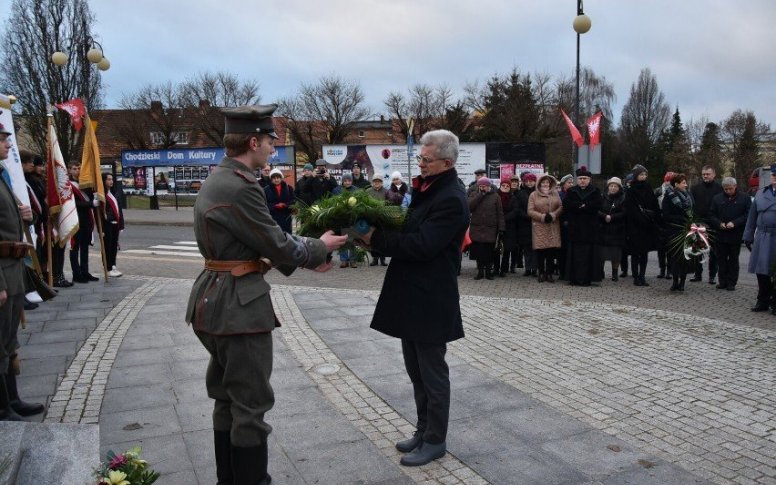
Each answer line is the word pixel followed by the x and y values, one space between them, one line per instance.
pixel 4 131
pixel 250 119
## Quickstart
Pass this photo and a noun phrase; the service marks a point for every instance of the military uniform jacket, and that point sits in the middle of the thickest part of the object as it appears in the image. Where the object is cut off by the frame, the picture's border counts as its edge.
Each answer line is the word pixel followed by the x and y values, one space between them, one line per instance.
pixel 11 269
pixel 232 223
pixel 761 230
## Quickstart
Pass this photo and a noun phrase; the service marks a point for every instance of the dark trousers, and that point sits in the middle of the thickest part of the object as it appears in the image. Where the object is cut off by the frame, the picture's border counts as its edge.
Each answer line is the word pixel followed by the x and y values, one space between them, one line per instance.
pixel 639 264
pixel 10 316
pixel 427 369
pixel 508 260
pixel 57 260
pixel 545 260
pixel 624 260
pixel 662 259
pixel 238 379
pixel 765 290
pixel 79 255
pixel 727 260
pixel 111 240
pixel 712 267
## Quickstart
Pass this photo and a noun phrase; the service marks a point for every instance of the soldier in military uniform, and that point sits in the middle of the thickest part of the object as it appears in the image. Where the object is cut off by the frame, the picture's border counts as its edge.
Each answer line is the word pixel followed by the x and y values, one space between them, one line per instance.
pixel 12 250
pixel 230 306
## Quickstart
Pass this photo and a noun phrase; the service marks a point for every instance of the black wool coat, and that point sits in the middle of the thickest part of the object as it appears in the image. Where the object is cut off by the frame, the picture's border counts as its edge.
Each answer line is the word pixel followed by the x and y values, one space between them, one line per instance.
pixel 581 207
pixel 510 223
pixel 523 220
pixel 420 300
pixel 729 209
pixel 643 218
pixel 612 233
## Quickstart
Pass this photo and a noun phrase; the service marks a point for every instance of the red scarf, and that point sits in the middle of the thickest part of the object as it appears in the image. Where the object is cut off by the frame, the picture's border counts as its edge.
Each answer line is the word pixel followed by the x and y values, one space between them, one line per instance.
pixel 113 205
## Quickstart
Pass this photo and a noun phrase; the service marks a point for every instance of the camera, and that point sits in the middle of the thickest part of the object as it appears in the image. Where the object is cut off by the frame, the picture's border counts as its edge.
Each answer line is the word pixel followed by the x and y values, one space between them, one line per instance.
pixel 320 171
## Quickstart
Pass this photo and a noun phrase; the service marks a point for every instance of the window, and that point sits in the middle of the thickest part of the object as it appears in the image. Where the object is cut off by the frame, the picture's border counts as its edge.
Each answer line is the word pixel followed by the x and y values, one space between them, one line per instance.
pixel 176 137
pixel 389 133
pixel 361 134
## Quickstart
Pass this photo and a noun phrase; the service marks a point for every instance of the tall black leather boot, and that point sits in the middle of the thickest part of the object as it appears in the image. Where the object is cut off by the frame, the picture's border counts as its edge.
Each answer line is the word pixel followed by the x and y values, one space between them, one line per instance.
pixel 223 447
pixel 488 272
pixel 480 272
pixel 20 407
pixel 6 411
pixel 249 465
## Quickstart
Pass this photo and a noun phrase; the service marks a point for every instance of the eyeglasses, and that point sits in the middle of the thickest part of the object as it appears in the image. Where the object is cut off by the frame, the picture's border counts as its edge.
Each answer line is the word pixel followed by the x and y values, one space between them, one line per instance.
pixel 426 160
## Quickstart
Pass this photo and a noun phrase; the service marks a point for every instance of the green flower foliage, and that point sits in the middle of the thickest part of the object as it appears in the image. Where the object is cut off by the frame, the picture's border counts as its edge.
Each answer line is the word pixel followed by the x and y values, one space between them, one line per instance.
pixel 343 211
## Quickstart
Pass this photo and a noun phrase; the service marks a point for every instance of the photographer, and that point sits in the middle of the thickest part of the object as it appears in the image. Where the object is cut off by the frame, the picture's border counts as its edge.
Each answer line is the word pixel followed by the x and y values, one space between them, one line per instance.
pixel 322 183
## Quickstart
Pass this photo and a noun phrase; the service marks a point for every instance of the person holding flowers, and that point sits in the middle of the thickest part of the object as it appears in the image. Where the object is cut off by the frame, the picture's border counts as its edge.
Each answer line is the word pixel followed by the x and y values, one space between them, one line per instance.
pixel 677 214
pixel 230 307
pixel 422 279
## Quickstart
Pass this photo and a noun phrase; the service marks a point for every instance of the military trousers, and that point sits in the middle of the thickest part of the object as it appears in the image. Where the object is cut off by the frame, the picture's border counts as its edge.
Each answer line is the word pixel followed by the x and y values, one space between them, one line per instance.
pixel 10 317
pixel 430 376
pixel 237 378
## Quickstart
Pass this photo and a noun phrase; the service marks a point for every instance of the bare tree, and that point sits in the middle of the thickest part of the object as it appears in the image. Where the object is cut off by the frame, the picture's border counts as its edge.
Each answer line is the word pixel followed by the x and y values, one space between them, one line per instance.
pixel 742 133
pixel 38 29
pixel 153 109
pixel 325 112
pixel 426 105
pixel 644 117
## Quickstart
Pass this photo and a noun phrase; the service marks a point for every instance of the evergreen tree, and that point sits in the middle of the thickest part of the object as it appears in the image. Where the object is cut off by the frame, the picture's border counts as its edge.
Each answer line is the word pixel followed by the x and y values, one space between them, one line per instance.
pixel 677 147
pixel 747 154
pixel 509 109
pixel 710 152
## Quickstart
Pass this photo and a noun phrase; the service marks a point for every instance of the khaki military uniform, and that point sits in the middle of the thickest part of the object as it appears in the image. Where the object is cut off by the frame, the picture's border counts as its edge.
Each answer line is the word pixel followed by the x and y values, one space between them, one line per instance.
pixel 11 275
pixel 231 311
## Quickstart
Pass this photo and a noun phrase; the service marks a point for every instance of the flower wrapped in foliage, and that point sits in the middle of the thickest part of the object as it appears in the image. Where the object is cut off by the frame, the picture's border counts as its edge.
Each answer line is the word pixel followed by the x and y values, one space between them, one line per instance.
pixel 125 469
pixel 349 213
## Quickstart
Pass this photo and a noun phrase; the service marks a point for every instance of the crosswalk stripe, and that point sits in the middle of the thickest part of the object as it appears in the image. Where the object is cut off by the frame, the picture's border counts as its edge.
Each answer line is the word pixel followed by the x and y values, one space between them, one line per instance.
pixel 191 243
pixel 163 253
pixel 178 248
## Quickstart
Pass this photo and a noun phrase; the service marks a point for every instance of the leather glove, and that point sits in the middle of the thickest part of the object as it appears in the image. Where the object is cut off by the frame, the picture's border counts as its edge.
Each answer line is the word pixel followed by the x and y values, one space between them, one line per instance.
pixel 547 218
pixel 96 203
pixel 748 245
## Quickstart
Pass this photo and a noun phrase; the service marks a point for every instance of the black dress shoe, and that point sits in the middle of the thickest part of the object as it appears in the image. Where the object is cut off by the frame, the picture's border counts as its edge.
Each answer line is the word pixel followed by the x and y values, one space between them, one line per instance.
pixel 760 307
pixel 91 277
pixel 731 287
pixel 423 454
pixel 28 305
pixel 696 279
pixel 410 444
pixel 61 282
pixel 382 262
pixel 721 286
pixel 712 281
pixel 80 279
pixel 373 263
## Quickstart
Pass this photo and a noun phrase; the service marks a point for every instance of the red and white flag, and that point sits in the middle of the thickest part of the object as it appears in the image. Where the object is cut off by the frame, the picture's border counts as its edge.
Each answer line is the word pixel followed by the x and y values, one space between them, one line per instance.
pixel 76 109
pixel 575 134
pixel 59 193
pixel 594 129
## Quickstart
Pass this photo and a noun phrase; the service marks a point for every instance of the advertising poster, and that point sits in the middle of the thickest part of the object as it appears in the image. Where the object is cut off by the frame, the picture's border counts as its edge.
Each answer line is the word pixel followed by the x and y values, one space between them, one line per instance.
pixel 385 159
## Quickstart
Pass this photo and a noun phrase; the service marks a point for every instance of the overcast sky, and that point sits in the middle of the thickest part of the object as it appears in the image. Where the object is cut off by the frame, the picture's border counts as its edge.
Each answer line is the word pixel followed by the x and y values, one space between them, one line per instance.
pixel 710 57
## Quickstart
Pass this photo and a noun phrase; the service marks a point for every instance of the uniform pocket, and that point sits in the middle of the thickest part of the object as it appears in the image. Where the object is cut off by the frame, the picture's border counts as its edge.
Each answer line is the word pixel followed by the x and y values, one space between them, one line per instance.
pixel 250 287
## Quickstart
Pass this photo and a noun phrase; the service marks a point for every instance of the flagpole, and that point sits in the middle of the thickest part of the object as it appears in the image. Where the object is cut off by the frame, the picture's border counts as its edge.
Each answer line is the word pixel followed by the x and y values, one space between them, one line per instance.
pixel 100 214
pixel 49 232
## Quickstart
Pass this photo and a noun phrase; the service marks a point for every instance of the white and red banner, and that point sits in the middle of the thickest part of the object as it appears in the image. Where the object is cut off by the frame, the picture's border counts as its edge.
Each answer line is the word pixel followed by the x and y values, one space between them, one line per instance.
pixel 594 129
pixel 59 192
pixel 13 164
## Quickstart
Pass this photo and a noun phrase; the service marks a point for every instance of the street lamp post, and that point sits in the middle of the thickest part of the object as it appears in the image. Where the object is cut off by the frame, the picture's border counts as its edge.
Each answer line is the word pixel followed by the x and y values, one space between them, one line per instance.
pixel 582 25
pixel 94 55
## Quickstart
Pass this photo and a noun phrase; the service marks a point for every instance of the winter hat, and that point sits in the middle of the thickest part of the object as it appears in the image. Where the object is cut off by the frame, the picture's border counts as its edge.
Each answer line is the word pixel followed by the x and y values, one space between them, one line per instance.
pixel 377 176
pixel 614 180
pixel 347 176
pixel 546 176
pixel 528 177
pixel 582 171
pixel 479 171
pixel 320 162
pixel 308 166
pixel 514 177
pixel 483 181
pixel 638 169
pixel 566 178
pixel 505 180
pixel 274 172
pixel 396 175
pixel 668 176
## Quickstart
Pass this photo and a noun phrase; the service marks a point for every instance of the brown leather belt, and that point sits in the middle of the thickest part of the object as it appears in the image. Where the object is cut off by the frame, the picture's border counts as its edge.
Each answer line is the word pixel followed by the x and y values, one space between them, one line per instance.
pixel 14 249
pixel 239 268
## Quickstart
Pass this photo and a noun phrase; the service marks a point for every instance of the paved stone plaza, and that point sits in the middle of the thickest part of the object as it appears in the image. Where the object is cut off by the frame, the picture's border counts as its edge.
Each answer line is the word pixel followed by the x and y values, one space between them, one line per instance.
pixel 552 384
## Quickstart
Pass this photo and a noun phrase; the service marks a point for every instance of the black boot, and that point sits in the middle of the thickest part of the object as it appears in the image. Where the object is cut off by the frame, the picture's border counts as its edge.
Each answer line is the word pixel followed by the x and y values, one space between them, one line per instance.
pixel 249 465
pixel 6 411
pixel 480 272
pixel 20 407
pixel 382 262
pixel 643 281
pixel 675 284
pixel 662 274
pixel 541 278
pixel 223 446
pixel 614 275
pixel 681 283
pixel 374 262
pixel 488 273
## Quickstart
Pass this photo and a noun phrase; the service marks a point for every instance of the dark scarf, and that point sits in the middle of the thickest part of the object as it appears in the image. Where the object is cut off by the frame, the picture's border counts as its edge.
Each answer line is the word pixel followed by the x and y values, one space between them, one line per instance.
pixel 682 200
pixel 613 201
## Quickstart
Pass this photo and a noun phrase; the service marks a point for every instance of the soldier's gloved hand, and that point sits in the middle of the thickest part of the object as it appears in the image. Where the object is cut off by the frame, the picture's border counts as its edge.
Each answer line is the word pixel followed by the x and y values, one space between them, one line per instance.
pixel 96 203
pixel 748 245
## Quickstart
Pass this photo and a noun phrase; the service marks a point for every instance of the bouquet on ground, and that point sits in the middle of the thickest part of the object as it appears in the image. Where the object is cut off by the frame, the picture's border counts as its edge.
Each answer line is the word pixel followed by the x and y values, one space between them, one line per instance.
pixel 693 241
pixel 125 469
pixel 349 213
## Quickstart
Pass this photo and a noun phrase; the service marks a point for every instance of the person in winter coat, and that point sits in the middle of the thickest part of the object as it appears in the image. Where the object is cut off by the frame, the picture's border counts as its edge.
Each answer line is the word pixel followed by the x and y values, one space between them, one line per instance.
pixel 487 223
pixel 544 209
pixel 727 218
pixel 397 189
pixel 760 239
pixel 304 187
pixel 677 210
pixel 702 195
pixel 642 216
pixel 346 185
pixel 509 241
pixel 280 197
pixel 112 223
pixel 581 204
pixel 379 192
pixel 611 232
pixel 359 180
pixel 662 257
pixel 323 183
pixel 524 225
pixel 566 182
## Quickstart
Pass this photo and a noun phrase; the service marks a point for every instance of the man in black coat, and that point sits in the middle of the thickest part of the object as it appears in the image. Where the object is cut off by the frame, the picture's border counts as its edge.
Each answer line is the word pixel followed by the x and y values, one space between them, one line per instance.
pixel 702 195
pixel 323 183
pixel 581 205
pixel 422 279
pixel 727 218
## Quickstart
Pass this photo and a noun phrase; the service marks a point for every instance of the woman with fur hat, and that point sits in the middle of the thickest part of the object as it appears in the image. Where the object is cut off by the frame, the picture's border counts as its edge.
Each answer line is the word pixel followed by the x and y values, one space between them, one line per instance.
pixel 544 209
pixel 397 190
pixel 611 232
pixel 280 197
pixel 643 220
pixel 581 204
pixel 487 223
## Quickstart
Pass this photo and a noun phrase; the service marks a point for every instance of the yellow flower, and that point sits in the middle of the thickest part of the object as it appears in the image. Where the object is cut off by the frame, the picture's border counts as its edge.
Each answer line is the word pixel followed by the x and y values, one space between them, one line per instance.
pixel 352 201
pixel 116 477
